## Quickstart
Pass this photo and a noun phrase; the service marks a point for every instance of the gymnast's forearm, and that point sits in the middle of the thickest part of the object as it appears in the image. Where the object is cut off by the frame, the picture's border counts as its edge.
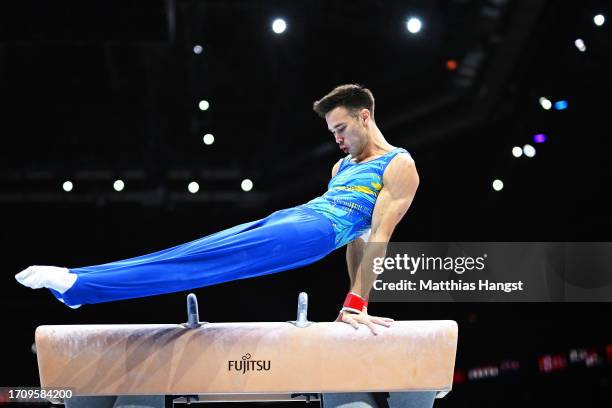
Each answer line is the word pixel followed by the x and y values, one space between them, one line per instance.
pixel 354 254
pixel 365 276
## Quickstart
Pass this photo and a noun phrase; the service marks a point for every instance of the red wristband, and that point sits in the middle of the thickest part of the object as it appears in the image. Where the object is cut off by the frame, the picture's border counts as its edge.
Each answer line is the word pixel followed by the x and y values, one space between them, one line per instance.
pixel 354 303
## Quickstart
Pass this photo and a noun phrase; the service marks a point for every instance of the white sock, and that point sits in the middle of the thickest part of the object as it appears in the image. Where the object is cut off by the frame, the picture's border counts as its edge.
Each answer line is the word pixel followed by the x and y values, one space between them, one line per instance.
pixel 52 277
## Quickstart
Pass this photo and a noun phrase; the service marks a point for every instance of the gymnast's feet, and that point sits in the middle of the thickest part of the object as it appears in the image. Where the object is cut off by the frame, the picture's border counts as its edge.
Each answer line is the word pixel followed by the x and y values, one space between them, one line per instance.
pixel 51 277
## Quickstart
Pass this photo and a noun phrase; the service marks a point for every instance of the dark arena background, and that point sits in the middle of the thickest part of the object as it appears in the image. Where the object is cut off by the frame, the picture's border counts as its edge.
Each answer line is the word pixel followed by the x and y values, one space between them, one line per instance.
pixel 132 126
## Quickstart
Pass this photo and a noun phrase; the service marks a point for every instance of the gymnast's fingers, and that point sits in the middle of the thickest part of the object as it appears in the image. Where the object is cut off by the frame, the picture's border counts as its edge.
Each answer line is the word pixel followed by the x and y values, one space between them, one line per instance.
pixel 387 319
pixel 383 321
pixel 367 320
pixel 348 318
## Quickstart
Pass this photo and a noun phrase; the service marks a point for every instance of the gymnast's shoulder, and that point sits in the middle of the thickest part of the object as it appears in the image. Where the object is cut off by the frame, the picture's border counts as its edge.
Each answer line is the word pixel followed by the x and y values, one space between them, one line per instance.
pixel 402 166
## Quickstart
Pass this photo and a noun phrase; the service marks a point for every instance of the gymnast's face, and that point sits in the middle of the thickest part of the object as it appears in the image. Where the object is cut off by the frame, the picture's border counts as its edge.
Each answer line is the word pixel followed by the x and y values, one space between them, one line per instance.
pixel 350 131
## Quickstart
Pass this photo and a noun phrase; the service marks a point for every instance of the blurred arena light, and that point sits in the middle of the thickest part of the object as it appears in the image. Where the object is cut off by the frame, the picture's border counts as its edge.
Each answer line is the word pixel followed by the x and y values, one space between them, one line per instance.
pixel 498 185
pixel 193 187
pixel 208 139
pixel 539 138
pixel 545 103
pixel 561 105
pixel 204 105
pixel 118 185
pixel 246 185
pixel 279 26
pixel 414 25
pixel 529 150
pixel 67 186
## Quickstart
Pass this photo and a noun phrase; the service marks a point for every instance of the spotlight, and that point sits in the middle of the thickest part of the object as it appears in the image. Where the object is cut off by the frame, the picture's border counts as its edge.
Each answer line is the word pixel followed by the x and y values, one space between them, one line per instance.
pixel 545 103
pixel 517 151
pixel 539 138
pixel 67 186
pixel 599 20
pixel 580 45
pixel 498 185
pixel 204 105
pixel 529 150
pixel 197 49
pixel 246 185
pixel 279 26
pixel 193 187
pixel 118 185
pixel 561 105
pixel 208 139
pixel 414 25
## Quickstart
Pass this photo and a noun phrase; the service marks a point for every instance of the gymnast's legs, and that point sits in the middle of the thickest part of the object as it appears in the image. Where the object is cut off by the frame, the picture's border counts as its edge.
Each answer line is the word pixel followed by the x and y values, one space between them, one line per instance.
pixel 284 240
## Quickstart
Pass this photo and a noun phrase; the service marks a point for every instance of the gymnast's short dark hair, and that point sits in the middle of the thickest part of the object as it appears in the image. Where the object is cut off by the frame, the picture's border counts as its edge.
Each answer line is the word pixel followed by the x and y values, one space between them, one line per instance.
pixel 351 96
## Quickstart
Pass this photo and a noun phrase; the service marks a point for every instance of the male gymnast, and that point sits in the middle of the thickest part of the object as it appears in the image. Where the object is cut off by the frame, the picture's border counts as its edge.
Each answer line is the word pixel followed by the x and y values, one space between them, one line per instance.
pixel 369 192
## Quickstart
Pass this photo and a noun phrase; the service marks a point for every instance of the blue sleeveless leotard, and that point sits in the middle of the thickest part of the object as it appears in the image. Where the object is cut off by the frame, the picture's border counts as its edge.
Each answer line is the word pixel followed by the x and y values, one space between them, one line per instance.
pixel 351 195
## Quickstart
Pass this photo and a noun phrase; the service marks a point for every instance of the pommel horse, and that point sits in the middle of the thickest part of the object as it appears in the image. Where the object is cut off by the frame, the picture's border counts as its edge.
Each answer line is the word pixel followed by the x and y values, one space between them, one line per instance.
pixel 197 362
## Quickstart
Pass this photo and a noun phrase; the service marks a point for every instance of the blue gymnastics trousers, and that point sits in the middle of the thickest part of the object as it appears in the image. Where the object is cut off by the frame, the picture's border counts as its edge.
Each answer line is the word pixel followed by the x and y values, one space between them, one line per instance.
pixel 286 239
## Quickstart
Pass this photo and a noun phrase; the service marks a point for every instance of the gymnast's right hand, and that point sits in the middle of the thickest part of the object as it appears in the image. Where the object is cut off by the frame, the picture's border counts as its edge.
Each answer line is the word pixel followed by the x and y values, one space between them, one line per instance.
pixel 355 319
pixel 51 277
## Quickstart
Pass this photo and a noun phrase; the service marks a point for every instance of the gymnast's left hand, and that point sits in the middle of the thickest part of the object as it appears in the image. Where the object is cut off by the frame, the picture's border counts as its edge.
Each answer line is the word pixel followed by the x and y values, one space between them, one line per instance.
pixel 355 319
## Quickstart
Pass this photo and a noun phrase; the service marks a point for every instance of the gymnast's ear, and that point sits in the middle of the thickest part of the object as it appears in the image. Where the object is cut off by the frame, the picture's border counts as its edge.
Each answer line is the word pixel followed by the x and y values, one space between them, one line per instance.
pixel 365 116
